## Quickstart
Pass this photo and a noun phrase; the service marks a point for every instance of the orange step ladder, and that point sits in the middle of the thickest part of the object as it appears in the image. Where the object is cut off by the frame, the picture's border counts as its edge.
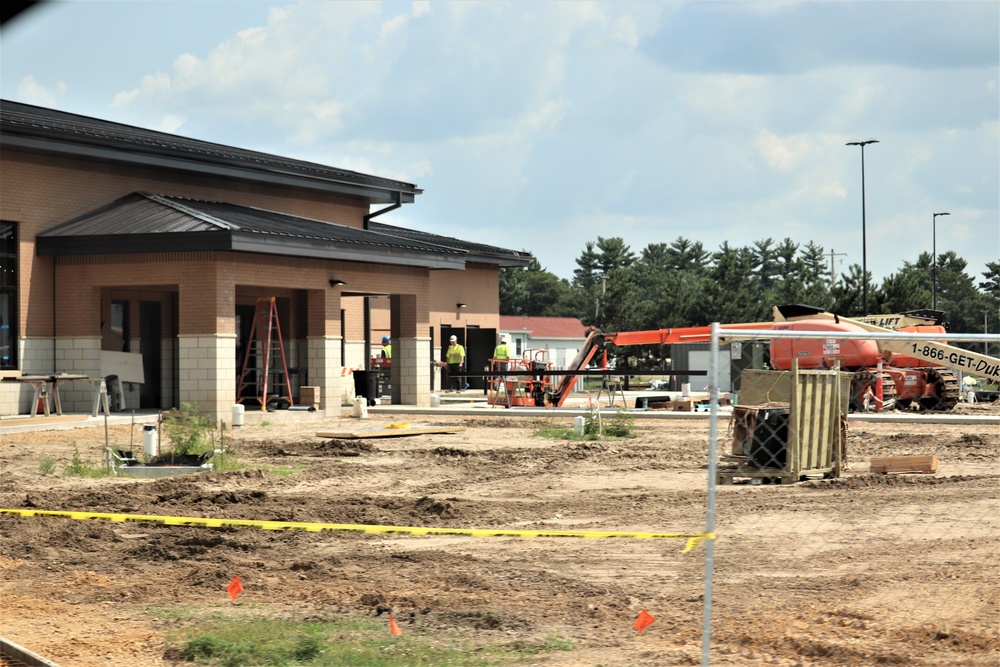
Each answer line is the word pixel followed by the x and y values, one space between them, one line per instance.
pixel 263 348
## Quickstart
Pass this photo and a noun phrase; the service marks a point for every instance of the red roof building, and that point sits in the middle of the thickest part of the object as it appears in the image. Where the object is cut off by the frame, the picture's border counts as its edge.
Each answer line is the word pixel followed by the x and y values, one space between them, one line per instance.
pixel 561 337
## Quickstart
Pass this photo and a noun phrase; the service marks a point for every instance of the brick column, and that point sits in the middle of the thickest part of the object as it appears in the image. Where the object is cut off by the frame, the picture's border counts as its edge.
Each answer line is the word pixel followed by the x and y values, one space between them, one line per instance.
pixel 206 350
pixel 411 358
pixel 207 373
pixel 323 341
pixel 77 344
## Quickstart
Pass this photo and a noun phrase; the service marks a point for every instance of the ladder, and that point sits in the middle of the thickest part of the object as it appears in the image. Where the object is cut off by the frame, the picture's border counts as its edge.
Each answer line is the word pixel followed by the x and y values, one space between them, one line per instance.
pixel 263 349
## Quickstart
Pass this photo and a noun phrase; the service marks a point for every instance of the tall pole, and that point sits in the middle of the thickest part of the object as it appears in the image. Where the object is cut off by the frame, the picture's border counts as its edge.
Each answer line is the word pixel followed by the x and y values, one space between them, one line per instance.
pixel 934 261
pixel 864 244
pixel 833 267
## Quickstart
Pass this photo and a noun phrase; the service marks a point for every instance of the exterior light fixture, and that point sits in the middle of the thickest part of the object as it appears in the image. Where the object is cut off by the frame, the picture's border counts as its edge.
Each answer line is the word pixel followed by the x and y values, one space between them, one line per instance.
pixel 460 305
pixel 864 246
pixel 934 261
pixel 336 282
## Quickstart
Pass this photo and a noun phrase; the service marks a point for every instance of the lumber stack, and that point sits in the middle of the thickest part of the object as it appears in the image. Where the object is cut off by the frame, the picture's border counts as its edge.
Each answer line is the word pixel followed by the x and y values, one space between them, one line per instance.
pixel 903 464
pixel 679 406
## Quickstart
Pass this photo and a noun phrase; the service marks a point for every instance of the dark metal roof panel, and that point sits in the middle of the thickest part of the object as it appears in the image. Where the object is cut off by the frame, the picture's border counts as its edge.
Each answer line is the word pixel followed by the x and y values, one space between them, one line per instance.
pixel 483 251
pixel 132 223
pixel 24 120
pixel 133 214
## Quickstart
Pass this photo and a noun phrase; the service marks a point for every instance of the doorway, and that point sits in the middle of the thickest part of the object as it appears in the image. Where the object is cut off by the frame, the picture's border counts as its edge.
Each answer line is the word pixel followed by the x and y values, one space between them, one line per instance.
pixel 478 350
pixel 244 325
pixel 150 346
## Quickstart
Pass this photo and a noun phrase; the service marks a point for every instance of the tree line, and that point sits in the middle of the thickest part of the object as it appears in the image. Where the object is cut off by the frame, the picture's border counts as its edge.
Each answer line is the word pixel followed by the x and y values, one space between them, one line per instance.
pixel 682 284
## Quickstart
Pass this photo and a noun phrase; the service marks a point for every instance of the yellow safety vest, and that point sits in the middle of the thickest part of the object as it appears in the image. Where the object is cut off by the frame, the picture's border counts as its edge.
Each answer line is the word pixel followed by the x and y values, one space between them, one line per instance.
pixel 455 354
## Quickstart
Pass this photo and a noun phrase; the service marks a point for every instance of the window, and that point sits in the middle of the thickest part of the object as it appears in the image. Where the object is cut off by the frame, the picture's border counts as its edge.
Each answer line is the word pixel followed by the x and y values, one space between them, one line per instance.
pixel 8 296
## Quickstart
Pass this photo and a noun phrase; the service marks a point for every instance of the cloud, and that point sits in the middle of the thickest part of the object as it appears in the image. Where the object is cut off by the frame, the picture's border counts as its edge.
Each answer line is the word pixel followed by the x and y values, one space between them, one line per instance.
pixel 793 37
pixel 31 91
pixel 561 121
pixel 296 72
pixel 783 153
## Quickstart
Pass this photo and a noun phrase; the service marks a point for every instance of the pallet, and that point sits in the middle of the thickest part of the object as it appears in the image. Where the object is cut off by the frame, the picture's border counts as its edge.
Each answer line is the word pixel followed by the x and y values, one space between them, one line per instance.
pixel 774 474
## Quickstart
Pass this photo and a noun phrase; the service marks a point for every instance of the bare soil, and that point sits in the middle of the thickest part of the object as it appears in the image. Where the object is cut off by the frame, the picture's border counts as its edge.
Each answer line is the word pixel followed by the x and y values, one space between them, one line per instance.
pixel 859 570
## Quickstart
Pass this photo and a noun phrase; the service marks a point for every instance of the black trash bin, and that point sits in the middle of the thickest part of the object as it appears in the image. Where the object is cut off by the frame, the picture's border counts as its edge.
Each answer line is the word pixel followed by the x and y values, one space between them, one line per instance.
pixel 366 384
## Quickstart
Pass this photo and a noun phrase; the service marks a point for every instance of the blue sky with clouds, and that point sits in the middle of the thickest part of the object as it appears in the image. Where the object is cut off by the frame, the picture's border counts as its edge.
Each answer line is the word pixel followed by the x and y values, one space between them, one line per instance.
pixel 543 125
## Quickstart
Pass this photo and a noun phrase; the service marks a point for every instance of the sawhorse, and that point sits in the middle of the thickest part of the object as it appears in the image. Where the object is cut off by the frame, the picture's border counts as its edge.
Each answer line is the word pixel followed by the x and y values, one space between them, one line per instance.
pixel 100 396
pixel 616 390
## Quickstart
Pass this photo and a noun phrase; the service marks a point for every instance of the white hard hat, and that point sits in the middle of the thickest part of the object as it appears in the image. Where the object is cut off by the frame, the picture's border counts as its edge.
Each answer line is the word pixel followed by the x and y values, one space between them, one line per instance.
pixel 453 339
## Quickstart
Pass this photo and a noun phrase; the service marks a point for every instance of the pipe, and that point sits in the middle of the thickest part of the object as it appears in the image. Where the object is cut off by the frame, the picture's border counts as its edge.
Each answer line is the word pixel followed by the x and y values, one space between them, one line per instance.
pixel 54 310
pixel 368 332
pixel 397 204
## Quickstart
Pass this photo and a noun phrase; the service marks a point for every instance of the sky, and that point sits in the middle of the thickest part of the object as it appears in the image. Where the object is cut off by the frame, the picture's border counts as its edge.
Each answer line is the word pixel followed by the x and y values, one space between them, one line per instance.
pixel 540 126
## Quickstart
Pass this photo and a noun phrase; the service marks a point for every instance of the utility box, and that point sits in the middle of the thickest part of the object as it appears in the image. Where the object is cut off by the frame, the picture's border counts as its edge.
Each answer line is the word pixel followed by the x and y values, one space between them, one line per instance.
pixel 789 426
pixel 746 355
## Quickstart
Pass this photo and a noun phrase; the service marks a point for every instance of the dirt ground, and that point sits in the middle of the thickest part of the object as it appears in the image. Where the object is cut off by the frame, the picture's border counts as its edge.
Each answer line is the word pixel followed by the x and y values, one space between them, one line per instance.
pixel 860 570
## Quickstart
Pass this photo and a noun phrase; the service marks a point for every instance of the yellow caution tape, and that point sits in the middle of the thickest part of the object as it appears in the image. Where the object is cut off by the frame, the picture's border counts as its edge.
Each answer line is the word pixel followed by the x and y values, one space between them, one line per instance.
pixel 692 538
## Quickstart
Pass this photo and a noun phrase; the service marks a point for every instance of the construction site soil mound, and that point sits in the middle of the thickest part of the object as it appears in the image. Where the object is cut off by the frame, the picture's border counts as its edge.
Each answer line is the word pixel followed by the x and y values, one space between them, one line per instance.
pixel 860 570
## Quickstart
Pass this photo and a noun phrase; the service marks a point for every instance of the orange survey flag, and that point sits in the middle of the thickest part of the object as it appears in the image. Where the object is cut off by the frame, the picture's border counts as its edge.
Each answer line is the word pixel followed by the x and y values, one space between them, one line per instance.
pixel 393 627
pixel 235 587
pixel 644 621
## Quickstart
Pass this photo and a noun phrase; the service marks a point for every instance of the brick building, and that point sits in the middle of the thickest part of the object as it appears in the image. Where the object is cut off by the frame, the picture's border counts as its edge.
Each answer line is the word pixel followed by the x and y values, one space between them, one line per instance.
pixel 116 239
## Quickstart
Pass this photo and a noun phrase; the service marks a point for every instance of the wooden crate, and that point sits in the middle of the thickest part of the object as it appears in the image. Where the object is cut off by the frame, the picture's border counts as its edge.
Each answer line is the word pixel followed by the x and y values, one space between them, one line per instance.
pixel 761 387
pixel 817 422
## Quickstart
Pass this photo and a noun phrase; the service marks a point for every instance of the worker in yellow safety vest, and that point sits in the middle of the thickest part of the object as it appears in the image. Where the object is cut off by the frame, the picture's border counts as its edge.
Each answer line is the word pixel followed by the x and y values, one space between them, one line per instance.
pixel 455 356
pixel 386 348
pixel 501 355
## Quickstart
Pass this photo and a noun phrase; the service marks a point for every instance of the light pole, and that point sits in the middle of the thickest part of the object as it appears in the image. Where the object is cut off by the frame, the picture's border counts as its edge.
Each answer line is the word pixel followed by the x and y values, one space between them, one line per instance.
pixel 934 260
pixel 864 245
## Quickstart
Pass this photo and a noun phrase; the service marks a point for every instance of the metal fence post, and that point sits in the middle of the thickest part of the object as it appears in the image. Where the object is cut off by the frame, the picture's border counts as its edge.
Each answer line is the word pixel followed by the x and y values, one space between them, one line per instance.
pixel 713 397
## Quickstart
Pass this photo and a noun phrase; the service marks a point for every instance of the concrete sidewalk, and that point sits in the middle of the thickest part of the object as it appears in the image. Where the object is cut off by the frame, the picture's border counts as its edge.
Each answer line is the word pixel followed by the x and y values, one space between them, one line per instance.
pixel 472 403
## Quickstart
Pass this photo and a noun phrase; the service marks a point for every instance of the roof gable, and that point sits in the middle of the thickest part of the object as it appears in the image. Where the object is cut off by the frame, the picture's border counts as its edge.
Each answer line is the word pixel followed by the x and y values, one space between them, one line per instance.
pixel 59 132
pixel 144 222
pixel 140 221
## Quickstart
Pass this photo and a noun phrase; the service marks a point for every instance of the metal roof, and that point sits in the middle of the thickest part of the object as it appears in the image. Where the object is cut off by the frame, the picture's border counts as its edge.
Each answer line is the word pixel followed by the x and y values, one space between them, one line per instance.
pixel 480 252
pixel 59 132
pixel 144 222
pixel 124 225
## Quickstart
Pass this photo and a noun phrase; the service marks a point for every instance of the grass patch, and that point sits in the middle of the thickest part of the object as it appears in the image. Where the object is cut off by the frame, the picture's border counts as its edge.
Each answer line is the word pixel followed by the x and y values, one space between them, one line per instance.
pixel 77 467
pixel 190 433
pixel 596 427
pixel 555 431
pixel 47 466
pixel 254 640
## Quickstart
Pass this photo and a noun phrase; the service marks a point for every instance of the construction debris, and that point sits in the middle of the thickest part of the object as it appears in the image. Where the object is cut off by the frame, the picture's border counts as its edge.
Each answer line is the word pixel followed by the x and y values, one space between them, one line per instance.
pixel 391 431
